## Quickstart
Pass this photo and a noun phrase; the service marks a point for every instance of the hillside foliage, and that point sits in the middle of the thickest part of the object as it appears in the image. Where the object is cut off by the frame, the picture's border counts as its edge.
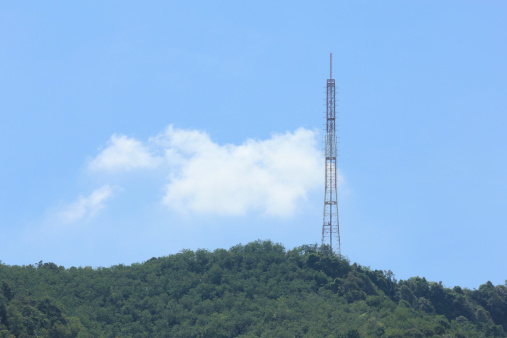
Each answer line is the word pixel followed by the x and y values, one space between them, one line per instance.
pixel 255 290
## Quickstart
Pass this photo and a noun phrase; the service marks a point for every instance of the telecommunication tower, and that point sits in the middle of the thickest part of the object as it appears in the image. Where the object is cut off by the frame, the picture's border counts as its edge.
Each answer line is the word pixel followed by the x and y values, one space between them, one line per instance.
pixel 331 225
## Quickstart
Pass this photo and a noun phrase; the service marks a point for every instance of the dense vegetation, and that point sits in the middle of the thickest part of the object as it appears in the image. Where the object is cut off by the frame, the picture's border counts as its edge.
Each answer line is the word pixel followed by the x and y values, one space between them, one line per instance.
pixel 258 289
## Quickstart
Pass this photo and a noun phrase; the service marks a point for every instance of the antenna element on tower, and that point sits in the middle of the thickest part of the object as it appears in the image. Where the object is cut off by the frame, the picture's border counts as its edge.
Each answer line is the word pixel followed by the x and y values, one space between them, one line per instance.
pixel 331 65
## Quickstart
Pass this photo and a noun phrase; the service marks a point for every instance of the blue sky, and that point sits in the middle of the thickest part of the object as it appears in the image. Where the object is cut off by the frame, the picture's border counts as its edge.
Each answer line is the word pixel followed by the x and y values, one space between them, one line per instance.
pixel 130 131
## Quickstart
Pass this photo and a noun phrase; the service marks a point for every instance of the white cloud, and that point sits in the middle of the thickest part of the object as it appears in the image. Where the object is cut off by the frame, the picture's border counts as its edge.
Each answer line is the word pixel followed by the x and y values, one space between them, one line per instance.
pixel 268 176
pixel 86 206
pixel 123 153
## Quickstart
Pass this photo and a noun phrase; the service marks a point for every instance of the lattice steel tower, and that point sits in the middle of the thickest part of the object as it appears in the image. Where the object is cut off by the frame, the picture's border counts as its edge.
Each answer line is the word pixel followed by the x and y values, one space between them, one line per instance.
pixel 331 225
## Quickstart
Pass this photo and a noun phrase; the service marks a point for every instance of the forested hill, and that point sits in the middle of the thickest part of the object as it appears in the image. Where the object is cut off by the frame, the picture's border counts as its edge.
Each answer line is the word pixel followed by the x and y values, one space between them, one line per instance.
pixel 258 289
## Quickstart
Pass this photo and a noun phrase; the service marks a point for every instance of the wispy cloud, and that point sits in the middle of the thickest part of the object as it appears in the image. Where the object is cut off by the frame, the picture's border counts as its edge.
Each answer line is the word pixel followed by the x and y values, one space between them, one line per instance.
pixel 268 176
pixel 86 206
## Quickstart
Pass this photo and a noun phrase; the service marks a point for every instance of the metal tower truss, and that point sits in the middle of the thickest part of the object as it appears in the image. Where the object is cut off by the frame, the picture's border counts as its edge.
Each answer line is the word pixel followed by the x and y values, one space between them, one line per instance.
pixel 331 225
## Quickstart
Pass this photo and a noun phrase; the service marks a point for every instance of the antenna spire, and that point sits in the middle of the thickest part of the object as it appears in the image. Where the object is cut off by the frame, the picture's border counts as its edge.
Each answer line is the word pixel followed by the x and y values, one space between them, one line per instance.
pixel 331 65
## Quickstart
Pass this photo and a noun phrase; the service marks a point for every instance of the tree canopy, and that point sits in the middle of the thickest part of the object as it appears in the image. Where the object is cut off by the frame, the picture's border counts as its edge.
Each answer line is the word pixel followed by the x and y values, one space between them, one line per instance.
pixel 253 290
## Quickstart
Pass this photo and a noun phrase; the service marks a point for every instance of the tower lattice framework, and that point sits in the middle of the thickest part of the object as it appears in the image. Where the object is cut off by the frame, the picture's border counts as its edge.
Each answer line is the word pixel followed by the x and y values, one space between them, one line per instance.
pixel 331 225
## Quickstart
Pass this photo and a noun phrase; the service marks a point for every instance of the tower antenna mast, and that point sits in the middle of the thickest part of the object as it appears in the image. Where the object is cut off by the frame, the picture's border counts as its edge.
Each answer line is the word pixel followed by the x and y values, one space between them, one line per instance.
pixel 331 65
pixel 331 225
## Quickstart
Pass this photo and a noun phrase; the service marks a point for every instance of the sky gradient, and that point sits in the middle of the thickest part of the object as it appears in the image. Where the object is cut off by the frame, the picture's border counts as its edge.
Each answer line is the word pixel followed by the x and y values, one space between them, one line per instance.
pixel 130 131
